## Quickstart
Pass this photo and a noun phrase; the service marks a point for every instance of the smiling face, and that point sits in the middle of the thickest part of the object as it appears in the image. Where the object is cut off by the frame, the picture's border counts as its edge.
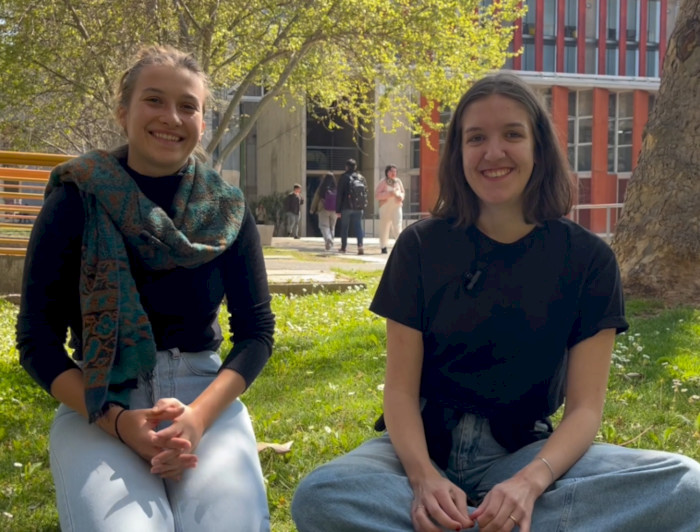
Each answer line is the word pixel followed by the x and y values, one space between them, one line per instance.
pixel 164 119
pixel 497 151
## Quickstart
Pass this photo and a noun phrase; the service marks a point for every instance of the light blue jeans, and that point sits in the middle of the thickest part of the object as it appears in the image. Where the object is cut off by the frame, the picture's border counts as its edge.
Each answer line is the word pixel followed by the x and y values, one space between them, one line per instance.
pixel 610 489
pixel 292 223
pixel 103 486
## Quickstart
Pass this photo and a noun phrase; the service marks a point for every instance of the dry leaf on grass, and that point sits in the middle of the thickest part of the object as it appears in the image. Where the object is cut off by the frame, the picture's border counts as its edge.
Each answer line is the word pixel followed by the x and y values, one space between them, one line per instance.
pixel 279 448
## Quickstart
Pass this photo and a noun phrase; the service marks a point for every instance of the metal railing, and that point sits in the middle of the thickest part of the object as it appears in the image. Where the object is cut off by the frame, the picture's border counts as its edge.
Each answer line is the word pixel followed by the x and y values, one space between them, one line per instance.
pixel 22 195
pixel 612 215
pixel 371 224
pixel 578 214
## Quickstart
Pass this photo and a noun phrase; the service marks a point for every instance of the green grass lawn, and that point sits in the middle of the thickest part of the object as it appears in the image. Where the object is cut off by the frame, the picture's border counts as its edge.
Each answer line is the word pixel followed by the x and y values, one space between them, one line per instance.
pixel 323 389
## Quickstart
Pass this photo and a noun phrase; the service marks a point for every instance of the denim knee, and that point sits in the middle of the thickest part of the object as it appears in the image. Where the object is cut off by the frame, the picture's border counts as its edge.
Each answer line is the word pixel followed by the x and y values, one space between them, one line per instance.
pixel 311 510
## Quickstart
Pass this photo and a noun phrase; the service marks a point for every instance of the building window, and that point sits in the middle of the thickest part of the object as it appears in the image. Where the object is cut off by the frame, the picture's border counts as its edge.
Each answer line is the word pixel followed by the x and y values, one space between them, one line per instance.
pixel 653 21
pixel 529 31
pixel 571 19
pixel 591 58
pixel 653 63
pixel 611 60
pixel 529 19
pixel 570 57
pixel 580 134
pixel 653 33
pixel 570 35
pixel 613 23
pixel 445 116
pixel 652 102
pixel 620 120
pixel 632 31
pixel 545 96
pixel 415 150
pixel 414 194
pixel 508 65
pixel 549 56
pixel 632 61
pixel 528 54
pixel 550 18
pixel 592 19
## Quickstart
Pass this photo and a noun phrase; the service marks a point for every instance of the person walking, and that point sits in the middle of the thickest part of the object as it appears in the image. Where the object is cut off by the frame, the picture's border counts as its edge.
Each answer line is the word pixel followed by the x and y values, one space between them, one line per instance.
pixel 352 200
pixel 390 193
pixel 292 211
pixel 499 308
pixel 323 205
pixel 133 252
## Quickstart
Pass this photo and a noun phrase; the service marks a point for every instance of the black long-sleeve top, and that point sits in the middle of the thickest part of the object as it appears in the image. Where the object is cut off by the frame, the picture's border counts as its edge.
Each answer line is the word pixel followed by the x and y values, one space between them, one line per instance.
pixel 182 304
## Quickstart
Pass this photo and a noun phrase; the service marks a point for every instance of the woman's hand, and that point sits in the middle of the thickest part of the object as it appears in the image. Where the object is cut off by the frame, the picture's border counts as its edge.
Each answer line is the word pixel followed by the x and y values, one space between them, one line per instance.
pixel 437 500
pixel 507 505
pixel 137 431
pixel 177 441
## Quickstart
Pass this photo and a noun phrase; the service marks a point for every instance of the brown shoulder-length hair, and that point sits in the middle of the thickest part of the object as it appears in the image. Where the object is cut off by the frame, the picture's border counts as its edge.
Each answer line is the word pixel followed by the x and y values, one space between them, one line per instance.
pixel 547 195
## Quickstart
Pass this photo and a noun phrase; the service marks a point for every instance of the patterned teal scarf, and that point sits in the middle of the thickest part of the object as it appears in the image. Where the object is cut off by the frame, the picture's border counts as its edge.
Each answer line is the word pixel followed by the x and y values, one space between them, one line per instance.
pixel 117 340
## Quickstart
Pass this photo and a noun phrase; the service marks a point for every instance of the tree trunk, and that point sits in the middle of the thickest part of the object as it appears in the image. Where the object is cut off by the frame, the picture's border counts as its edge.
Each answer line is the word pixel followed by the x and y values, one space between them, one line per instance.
pixel 657 239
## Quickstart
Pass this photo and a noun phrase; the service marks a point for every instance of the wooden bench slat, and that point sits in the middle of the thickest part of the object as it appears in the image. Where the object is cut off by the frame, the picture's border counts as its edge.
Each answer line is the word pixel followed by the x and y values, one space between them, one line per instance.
pixel 22 195
pixel 16 226
pixel 20 208
pixel 15 252
pixel 32 159
pixel 23 173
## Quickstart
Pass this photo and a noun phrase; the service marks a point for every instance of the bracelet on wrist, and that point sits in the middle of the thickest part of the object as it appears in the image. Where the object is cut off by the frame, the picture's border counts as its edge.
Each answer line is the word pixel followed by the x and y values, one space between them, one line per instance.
pixel 549 466
pixel 116 425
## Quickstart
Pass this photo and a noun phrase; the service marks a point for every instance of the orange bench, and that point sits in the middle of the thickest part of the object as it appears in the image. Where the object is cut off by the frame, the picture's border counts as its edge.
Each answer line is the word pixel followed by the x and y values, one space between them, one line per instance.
pixel 21 195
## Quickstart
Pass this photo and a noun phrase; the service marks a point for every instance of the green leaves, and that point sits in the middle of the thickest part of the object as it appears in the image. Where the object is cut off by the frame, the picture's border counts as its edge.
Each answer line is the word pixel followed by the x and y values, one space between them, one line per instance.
pixel 363 58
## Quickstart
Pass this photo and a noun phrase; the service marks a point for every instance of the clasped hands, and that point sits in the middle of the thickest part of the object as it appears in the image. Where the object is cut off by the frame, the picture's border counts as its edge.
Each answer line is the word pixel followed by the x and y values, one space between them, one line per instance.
pixel 170 451
pixel 438 504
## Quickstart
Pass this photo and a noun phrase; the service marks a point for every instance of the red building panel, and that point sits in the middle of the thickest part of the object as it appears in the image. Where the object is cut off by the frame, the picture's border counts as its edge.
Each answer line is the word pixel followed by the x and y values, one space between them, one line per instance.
pixel 581 37
pixel 643 24
pixel 603 186
pixel 429 160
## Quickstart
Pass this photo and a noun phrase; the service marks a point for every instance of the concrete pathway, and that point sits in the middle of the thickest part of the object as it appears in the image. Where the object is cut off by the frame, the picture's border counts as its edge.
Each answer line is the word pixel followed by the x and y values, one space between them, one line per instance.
pixel 308 263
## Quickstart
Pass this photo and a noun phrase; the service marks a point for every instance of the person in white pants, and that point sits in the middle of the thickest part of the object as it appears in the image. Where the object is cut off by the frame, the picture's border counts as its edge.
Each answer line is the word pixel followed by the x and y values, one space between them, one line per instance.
pixel 389 193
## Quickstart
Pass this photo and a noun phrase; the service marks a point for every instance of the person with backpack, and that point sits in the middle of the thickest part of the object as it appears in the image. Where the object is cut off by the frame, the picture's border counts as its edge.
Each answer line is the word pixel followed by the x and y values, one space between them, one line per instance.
pixel 324 204
pixel 352 200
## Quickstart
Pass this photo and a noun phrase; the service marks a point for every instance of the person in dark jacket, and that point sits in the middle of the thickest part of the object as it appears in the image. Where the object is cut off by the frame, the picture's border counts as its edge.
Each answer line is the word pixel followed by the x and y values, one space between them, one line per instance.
pixel 292 211
pixel 347 213
pixel 133 253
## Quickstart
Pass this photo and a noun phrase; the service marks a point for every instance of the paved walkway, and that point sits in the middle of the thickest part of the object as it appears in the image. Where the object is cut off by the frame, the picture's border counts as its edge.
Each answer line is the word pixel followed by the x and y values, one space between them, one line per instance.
pixel 308 262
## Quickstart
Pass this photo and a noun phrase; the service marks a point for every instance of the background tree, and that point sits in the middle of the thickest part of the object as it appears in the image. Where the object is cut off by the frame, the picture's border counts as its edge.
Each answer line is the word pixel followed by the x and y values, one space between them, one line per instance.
pixel 58 58
pixel 657 239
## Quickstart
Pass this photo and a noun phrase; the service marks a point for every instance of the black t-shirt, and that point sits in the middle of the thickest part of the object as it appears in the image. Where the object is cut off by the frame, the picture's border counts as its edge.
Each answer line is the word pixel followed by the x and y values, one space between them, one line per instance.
pixel 498 347
pixel 182 304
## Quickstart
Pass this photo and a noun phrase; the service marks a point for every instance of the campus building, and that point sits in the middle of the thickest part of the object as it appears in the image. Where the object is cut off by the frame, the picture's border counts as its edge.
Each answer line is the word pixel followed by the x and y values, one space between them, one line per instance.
pixel 595 62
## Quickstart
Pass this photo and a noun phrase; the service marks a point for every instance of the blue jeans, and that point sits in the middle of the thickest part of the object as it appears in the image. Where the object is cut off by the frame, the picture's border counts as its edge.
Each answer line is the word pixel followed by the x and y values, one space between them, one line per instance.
pixel 102 485
pixel 610 489
pixel 347 217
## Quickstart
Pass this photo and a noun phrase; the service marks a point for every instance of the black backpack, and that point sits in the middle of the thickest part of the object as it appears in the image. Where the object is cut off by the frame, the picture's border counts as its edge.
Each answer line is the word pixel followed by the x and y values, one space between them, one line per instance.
pixel 357 192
